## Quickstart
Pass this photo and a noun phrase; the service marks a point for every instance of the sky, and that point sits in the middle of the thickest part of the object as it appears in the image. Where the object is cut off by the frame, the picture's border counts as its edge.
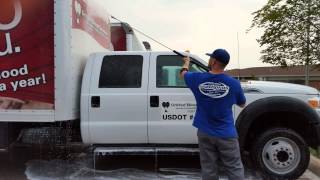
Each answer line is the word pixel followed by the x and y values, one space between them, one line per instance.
pixel 196 25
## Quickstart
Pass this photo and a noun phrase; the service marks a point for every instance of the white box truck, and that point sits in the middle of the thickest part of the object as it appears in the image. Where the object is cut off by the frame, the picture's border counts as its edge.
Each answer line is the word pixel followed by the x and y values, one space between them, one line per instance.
pixel 129 98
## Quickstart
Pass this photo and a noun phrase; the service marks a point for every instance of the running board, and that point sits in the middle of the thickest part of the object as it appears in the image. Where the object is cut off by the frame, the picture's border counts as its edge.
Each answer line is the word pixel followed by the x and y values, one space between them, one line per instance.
pixel 135 156
pixel 115 151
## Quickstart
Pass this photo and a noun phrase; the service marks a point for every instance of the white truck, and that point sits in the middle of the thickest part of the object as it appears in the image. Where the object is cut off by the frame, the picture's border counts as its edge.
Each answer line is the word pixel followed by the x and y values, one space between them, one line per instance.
pixel 51 77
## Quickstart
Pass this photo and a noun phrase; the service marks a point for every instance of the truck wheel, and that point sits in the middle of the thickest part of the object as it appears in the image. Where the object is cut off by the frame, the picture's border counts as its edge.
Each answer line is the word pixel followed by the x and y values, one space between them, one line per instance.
pixel 280 153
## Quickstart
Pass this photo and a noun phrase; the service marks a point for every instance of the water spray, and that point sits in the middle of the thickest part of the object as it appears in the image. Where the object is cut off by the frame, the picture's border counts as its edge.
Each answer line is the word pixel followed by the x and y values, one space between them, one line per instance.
pixel 153 39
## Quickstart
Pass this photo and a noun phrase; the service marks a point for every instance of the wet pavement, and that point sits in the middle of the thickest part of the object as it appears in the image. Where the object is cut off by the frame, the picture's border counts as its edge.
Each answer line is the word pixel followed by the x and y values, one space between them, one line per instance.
pixel 47 163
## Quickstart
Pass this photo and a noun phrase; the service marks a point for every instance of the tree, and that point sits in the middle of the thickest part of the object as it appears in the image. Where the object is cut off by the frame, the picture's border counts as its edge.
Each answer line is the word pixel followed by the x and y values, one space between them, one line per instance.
pixel 291 32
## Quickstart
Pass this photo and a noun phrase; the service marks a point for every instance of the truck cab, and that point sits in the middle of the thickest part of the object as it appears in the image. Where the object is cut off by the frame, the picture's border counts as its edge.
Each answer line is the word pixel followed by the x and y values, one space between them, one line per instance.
pixel 137 98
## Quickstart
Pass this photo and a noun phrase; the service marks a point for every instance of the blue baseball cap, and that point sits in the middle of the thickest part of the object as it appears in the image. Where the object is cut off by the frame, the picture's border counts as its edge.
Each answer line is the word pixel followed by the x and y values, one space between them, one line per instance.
pixel 220 55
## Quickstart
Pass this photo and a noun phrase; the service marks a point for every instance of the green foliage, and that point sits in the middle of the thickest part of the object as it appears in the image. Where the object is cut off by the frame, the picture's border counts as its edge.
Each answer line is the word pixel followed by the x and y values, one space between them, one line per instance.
pixel 291 32
pixel 315 152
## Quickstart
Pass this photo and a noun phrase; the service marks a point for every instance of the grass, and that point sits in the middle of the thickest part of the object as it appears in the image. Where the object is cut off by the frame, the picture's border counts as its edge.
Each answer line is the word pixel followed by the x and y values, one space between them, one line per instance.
pixel 315 152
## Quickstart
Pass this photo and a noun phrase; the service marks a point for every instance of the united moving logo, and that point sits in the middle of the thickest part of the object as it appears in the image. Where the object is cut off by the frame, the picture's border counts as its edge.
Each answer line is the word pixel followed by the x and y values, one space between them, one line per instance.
pixel 214 90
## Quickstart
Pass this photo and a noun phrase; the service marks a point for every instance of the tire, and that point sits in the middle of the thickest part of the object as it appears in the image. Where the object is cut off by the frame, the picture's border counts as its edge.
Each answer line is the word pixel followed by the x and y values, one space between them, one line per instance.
pixel 280 153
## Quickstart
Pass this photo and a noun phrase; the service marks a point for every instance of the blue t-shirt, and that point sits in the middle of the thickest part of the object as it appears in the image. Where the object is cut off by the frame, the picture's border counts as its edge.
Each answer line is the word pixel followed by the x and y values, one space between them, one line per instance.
pixel 215 95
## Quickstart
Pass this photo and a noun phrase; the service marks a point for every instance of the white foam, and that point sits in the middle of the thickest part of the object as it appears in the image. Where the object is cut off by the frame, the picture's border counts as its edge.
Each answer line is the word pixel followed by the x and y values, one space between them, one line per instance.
pixel 80 169
pixel 64 170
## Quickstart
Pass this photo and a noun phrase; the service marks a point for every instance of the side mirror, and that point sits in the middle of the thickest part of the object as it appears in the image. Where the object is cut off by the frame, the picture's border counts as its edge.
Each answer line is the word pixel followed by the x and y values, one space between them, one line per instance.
pixel 147 45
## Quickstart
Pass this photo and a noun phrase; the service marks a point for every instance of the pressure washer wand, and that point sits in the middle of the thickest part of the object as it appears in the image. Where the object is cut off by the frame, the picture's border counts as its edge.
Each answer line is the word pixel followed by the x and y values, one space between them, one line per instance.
pixel 176 52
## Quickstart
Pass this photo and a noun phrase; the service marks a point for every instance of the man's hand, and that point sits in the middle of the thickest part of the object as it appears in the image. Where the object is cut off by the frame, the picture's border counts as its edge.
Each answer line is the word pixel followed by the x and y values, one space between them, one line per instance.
pixel 186 61
pixel 10 103
pixel 185 66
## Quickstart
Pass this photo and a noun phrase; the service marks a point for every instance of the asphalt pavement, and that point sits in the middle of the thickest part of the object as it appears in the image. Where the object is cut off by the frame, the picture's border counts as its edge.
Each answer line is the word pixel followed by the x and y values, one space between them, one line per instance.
pixel 50 163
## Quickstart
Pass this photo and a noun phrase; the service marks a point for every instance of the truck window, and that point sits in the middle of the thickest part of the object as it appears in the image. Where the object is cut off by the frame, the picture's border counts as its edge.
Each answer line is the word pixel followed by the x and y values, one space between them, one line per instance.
pixel 121 71
pixel 168 69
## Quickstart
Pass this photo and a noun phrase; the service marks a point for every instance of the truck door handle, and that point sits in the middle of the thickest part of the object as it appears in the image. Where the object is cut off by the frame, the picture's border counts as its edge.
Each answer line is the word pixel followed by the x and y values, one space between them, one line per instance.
pixel 154 101
pixel 95 101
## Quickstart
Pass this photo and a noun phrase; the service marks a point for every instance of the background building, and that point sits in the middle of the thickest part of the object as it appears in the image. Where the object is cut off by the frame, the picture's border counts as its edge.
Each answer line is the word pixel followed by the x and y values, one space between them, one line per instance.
pixel 295 74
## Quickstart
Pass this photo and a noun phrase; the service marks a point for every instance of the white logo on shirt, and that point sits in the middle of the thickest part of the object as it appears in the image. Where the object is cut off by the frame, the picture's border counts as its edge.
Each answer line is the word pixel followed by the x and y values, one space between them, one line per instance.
pixel 214 90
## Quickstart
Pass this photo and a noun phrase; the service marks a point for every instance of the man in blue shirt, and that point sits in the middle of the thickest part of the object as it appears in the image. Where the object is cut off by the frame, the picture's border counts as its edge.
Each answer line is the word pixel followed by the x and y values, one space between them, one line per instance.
pixel 215 94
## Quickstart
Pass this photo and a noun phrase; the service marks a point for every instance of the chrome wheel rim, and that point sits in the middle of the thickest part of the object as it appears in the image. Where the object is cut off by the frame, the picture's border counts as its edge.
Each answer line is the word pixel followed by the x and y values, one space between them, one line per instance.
pixel 281 155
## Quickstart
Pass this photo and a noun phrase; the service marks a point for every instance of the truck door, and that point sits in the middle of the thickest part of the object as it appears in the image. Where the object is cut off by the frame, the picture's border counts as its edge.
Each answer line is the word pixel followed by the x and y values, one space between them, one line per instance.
pixel 171 104
pixel 118 102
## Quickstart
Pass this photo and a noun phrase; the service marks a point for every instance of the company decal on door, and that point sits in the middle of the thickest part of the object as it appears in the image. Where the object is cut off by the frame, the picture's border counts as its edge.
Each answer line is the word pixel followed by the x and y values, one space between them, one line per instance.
pixel 177 110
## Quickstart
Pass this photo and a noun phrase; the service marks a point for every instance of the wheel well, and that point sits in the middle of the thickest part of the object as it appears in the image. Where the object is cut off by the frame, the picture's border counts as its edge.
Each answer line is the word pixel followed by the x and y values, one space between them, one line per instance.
pixel 290 120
